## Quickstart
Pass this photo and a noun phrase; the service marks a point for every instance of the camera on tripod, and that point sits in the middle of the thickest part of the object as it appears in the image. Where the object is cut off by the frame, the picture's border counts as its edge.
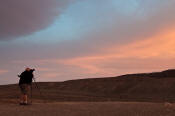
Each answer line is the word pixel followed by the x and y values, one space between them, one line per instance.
pixel 32 70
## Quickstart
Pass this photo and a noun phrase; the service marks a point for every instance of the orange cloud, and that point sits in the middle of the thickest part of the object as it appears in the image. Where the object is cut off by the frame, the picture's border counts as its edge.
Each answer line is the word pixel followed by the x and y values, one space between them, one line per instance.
pixel 149 54
pixel 160 47
pixel 3 71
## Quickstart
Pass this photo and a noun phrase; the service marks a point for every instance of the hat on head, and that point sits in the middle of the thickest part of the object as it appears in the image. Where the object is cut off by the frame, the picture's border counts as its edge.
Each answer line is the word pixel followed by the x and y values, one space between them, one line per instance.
pixel 28 69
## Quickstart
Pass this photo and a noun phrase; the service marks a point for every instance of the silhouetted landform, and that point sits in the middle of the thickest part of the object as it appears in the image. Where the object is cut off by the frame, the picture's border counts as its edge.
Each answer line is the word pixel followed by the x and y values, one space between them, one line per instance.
pixel 154 87
pixel 163 74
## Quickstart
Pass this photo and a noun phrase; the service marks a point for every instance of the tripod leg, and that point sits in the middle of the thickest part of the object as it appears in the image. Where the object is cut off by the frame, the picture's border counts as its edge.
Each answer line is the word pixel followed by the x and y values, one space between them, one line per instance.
pixel 38 88
pixel 31 93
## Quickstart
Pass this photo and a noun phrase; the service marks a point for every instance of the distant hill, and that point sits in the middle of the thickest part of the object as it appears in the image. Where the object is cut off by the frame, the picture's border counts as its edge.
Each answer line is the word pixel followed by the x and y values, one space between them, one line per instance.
pixel 163 74
pixel 156 87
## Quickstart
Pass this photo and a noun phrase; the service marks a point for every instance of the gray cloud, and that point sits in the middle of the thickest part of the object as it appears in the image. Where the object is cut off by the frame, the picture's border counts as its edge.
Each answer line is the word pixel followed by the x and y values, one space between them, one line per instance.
pixel 23 17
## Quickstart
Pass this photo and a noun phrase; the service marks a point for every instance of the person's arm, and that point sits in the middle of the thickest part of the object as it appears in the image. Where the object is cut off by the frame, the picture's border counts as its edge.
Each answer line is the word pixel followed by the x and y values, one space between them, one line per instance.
pixel 21 75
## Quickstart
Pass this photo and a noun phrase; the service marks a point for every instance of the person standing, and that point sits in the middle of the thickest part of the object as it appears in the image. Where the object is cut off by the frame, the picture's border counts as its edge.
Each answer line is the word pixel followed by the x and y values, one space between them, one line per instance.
pixel 25 83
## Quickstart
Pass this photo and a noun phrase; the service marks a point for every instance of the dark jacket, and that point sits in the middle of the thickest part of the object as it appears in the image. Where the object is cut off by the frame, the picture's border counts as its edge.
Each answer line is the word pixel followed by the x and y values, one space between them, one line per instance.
pixel 26 77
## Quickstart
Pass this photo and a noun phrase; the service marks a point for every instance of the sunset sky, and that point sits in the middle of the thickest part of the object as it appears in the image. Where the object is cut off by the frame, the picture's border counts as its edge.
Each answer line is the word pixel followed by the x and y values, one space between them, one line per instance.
pixel 73 39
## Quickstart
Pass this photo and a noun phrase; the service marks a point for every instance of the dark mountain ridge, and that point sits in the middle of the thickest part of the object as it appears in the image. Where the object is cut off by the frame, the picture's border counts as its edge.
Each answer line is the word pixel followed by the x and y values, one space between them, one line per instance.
pixel 163 74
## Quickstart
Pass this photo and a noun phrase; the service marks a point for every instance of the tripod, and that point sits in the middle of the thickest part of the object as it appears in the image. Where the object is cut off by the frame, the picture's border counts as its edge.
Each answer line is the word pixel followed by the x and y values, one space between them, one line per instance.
pixel 34 80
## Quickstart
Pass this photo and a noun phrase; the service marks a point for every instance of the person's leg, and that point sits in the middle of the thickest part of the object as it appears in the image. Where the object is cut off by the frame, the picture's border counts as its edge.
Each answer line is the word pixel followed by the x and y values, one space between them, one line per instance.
pixel 26 90
pixel 22 94
pixel 25 99
pixel 21 99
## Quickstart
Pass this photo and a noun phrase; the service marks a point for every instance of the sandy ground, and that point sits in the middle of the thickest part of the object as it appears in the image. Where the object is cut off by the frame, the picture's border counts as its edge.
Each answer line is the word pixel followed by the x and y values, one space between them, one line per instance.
pixel 89 109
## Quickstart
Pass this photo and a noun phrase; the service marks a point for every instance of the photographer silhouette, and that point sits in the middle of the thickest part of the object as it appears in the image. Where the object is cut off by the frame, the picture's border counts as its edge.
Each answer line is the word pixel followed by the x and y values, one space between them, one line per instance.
pixel 25 83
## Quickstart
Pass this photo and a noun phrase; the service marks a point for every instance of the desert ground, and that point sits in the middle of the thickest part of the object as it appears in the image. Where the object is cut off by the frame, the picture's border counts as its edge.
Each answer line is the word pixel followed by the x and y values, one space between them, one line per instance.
pixel 89 109
pixel 151 94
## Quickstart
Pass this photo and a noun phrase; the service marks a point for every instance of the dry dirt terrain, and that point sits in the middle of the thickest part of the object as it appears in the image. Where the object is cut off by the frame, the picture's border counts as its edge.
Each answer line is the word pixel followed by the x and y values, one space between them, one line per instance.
pixel 89 109
pixel 145 94
pixel 144 87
